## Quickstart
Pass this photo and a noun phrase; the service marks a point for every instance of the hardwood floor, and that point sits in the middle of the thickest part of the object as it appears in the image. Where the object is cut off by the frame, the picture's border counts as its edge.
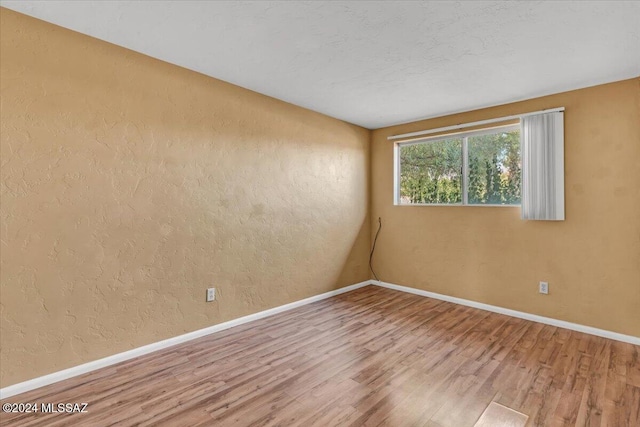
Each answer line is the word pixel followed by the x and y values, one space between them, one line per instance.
pixel 498 415
pixel 370 357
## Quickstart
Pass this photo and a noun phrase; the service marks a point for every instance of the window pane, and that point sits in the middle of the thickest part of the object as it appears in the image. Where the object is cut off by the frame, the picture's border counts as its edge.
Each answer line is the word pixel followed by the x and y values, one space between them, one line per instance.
pixel 431 172
pixel 494 169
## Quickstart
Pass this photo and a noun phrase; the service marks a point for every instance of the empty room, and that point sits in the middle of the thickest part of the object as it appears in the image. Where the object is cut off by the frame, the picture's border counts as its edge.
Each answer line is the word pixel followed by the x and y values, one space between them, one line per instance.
pixel 320 213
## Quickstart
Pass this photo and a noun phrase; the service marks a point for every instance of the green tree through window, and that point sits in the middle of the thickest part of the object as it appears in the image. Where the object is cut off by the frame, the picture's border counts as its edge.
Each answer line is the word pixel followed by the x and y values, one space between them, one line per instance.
pixel 431 172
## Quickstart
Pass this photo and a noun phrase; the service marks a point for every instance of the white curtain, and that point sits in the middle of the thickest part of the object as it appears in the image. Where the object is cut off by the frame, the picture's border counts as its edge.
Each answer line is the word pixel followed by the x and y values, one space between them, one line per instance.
pixel 542 138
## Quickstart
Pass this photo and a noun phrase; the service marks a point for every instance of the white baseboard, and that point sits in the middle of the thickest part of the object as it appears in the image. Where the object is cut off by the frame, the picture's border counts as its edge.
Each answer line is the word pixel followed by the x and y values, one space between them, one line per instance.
pixel 514 313
pixel 29 385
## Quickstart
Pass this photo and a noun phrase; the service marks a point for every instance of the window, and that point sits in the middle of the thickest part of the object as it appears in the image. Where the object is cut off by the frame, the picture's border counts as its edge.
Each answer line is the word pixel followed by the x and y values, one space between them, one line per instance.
pixel 472 168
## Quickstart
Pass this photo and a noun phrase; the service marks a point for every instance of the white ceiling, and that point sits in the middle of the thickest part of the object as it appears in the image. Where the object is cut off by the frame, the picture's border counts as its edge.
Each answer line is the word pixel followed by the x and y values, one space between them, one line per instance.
pixel 374 63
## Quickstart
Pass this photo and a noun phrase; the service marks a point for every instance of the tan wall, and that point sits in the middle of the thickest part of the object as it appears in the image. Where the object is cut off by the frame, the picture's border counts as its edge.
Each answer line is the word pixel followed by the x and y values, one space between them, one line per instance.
pixel 130 185
pixel 591 260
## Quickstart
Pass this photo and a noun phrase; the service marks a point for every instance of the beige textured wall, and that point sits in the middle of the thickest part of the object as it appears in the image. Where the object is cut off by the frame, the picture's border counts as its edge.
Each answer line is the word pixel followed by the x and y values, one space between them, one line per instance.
pixel 591 260
pixel 130 185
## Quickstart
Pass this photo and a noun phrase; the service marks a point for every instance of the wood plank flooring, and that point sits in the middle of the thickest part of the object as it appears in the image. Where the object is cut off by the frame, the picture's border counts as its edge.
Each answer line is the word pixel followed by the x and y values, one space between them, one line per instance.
pixel 498 415
pixel 370 357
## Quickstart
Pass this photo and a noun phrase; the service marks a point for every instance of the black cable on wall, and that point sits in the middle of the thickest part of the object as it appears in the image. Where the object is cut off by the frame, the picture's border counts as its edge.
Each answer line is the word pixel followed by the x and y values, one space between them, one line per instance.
pixel 373 248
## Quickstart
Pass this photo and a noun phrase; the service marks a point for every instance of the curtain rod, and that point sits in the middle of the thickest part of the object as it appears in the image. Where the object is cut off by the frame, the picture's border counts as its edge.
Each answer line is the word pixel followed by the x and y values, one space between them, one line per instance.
pixel 467 125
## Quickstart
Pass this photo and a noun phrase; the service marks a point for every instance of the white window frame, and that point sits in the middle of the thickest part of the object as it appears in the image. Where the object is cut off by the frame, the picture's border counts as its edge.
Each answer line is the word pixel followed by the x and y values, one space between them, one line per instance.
pixel 465 164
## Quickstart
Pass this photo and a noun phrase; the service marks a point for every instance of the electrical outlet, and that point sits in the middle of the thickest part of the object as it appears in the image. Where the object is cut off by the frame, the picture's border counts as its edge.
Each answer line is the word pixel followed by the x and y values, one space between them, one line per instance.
pixel 211 294
pixel 544 288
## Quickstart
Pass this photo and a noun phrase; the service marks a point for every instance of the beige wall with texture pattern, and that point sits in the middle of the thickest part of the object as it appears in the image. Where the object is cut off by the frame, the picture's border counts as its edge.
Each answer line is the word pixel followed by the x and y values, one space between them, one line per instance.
pixel 490 255
pixel 130 185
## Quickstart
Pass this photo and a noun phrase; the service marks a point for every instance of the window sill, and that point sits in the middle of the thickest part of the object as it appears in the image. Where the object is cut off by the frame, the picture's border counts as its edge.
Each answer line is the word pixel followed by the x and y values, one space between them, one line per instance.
pixel 456 205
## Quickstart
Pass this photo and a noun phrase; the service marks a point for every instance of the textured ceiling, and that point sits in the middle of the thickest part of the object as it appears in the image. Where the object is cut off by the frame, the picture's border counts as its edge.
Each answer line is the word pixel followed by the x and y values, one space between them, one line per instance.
pixel 374 63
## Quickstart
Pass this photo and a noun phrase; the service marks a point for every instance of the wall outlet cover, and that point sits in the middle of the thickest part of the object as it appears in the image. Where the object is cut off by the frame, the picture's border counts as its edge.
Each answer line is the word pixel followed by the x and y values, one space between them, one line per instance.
pixel 544 288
